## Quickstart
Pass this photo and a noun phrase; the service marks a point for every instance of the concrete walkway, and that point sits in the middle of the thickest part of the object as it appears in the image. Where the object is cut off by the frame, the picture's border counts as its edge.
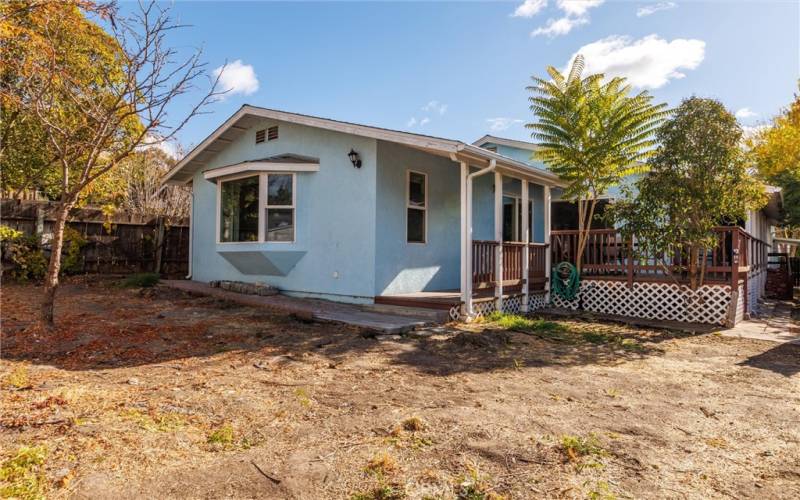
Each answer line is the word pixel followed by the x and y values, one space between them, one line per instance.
pixel 324 310
pixel 774 324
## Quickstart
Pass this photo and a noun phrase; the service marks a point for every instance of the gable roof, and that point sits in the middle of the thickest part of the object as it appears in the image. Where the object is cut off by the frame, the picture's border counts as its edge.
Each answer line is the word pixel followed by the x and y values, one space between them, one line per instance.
pixel 247 116
pixel 514 143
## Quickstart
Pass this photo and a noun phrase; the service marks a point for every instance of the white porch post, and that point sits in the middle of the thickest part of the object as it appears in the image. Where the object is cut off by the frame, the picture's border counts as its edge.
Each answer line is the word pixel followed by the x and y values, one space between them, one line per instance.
pixel 548 251
pixel 498 237
pixel 526 238
pixel 466 241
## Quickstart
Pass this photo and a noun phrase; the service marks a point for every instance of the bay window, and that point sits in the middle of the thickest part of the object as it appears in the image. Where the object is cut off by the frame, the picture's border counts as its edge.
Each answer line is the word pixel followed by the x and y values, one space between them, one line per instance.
pixel 257 208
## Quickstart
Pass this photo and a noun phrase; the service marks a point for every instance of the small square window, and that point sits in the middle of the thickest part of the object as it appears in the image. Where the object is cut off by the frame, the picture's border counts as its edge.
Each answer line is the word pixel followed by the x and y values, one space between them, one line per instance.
pixel 260 136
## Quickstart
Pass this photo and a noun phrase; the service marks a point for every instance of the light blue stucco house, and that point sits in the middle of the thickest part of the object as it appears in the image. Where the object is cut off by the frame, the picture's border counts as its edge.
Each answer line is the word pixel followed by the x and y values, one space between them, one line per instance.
pixel 346 212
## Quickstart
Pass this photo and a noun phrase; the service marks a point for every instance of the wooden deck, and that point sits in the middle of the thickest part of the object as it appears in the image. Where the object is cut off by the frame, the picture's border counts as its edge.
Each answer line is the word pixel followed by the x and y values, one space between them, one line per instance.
pixel 439 300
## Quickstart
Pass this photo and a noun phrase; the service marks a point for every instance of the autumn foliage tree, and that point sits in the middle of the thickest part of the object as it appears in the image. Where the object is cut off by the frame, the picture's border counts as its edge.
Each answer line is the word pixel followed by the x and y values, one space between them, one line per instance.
pixel 698 179
pixel 94 94
pixel 775 151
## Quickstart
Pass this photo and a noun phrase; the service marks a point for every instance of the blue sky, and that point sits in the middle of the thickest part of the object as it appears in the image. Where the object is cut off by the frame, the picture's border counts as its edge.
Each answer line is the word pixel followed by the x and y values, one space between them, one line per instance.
pixel 459 69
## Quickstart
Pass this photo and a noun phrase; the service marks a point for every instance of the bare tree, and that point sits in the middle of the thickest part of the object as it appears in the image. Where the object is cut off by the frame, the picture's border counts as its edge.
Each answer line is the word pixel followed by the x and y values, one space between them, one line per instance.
pixel 94 124
pixel 141 174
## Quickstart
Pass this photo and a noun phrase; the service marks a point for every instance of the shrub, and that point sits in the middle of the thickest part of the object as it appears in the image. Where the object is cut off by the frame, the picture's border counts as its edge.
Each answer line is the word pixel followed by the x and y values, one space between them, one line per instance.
pixel 74 241
pixel 24 252
pixel 141 280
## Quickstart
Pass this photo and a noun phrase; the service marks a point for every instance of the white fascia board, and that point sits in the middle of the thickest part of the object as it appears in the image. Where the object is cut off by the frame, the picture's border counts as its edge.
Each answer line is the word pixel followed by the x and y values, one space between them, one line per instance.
pixel 416 140
pixel 260 166
pixel 444 145
pixel 206 142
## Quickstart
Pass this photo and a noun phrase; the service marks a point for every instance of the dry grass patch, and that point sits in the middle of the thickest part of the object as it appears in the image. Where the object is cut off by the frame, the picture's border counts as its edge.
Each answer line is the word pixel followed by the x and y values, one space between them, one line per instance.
pixel 22 475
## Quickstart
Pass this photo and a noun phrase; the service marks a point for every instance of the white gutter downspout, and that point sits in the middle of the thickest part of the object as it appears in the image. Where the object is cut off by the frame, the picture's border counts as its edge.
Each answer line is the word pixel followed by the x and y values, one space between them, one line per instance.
pixel 466 232
pixel 191 234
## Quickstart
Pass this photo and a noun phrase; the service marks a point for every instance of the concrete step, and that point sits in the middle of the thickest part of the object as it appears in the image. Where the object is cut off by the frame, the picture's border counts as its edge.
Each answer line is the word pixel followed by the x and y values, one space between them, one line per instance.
pixel 432 315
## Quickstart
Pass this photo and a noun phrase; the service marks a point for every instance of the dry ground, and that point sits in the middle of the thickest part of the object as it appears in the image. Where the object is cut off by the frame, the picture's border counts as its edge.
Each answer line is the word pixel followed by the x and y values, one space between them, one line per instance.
pixel 155 394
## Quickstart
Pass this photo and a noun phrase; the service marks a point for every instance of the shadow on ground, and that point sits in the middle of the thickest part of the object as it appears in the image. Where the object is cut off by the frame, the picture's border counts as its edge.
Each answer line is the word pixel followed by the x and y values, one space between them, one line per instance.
pixel 100 326
pixel 783 359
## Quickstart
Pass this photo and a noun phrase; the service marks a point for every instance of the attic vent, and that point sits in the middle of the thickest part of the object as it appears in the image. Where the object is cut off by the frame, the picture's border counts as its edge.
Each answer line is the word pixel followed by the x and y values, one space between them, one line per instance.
pixel 272 133
pixel 260 136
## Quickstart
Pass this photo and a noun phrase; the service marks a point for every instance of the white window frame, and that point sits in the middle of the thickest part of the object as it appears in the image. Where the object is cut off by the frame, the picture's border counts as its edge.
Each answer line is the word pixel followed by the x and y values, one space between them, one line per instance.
pixel 424 208
pixel 262 207
pixel 219 209
pixel 265 206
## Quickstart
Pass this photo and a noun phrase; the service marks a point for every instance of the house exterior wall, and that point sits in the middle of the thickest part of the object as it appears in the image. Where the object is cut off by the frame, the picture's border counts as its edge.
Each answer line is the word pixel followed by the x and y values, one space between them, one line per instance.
pixel 402 267
pixel 334 246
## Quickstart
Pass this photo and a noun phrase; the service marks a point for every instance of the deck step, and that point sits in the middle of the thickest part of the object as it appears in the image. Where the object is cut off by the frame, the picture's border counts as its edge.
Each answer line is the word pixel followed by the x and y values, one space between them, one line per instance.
pixel 435 315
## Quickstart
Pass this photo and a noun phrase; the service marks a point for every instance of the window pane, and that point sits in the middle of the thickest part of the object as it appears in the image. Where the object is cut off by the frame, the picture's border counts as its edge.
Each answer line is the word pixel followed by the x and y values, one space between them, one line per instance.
pixel 416 190
pixel 239 210
pixel 279 189
pixel 508 219
pixel 280 224
pixel 416 226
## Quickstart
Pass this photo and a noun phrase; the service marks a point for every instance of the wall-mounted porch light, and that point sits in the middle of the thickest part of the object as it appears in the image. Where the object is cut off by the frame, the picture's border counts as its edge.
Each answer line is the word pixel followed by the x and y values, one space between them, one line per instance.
pixel 354 158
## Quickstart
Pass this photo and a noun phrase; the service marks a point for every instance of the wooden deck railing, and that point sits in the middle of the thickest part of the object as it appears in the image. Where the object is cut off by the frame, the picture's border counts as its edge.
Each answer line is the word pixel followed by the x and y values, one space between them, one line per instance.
pixel 607 255
pixel 484 258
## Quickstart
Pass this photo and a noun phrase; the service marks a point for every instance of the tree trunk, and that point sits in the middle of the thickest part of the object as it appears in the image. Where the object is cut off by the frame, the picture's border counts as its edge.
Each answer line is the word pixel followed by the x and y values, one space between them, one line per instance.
pixel 693 255
pixel 585 215
pixel 51 278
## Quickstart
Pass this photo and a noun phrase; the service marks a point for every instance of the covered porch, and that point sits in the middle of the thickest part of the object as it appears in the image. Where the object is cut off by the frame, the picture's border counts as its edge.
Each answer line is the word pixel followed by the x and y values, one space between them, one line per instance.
pixel 504 259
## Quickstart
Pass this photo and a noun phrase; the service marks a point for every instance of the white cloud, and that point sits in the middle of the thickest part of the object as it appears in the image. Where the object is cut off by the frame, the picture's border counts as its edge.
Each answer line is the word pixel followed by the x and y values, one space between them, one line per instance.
pixel 411 122
pixel 745 113
pixel 502 123
pixel 435 106
pixel 529 8
pixel 575 14
pixel 558 27
pixel 649 62
pixel 237 78
pixel 424 121
pixel 654 7
pixel 578 7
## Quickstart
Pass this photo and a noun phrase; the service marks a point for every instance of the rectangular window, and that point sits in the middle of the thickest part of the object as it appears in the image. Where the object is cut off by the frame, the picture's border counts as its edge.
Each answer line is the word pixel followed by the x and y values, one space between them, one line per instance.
pixel 239 210
pixel 280 208
pixel 260 136
pixel 416 207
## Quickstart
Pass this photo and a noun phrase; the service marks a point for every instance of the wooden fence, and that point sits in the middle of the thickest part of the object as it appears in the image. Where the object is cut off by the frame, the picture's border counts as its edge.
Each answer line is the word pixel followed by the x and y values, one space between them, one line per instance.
pixel 122 243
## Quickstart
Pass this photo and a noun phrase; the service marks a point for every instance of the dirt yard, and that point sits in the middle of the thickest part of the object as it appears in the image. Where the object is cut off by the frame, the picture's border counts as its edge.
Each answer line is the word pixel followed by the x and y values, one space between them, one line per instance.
pixel 148 393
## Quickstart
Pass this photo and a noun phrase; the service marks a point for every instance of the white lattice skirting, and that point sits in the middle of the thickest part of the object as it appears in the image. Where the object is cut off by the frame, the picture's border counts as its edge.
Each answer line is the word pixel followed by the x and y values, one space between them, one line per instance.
pixel 659 301
pixel 755 289
pixel 512 304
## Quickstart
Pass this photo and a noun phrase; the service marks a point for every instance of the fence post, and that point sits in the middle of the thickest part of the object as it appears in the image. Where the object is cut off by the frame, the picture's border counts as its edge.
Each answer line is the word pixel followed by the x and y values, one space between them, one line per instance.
pixel 40 223
pixel 159 243
pixel 630 262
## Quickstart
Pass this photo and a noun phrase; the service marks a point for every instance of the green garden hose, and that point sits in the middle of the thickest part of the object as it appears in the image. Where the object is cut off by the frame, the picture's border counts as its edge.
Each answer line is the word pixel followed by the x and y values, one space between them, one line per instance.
pixel 566 281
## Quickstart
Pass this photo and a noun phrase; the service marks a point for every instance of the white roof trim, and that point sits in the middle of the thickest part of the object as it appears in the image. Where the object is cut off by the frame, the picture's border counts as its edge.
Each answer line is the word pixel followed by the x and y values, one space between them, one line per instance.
pixel 440 145
pixel 260 166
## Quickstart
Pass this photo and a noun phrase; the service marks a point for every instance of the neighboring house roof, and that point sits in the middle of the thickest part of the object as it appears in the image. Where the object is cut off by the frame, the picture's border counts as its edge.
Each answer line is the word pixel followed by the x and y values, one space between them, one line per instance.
pixel 514 143
pixel 248 115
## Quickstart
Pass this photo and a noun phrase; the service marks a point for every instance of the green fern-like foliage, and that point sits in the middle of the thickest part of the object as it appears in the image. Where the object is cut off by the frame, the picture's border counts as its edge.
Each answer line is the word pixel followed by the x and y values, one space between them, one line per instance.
pixel 590 131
